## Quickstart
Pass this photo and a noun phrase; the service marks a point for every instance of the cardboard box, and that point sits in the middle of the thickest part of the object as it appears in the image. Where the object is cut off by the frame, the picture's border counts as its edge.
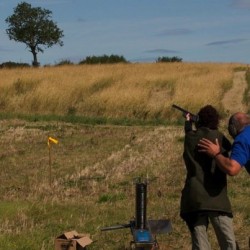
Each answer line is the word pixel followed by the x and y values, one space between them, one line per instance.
pixel 72 241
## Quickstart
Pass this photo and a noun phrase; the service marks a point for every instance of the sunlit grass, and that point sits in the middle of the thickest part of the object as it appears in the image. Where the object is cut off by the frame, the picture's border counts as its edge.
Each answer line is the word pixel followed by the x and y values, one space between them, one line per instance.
pixel 97 160
pixel 93 173
pixel 144 91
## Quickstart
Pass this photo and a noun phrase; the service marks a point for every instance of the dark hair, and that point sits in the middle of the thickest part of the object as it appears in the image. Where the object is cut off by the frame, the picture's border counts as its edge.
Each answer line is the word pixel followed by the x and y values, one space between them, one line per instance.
pixel 208 117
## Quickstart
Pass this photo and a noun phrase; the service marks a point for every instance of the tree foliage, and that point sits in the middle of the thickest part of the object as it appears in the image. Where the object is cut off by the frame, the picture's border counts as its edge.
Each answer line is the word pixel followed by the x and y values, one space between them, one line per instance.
pixel 103 59
pixel 33 27
pixel 64 62
pixel 11 65
pixel 169 59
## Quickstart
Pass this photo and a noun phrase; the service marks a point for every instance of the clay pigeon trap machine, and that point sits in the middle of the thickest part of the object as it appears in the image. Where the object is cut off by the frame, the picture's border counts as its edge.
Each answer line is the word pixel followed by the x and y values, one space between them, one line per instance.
pixel 143 231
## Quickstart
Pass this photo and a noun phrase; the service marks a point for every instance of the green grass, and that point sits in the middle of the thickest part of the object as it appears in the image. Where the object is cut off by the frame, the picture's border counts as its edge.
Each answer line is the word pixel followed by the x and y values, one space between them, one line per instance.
pixel 90 181
pixel 246 93
pixel 94 168
pixel 76 119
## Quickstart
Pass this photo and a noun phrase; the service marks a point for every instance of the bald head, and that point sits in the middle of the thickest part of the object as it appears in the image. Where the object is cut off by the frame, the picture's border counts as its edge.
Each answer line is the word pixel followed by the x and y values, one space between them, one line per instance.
pixel 237 122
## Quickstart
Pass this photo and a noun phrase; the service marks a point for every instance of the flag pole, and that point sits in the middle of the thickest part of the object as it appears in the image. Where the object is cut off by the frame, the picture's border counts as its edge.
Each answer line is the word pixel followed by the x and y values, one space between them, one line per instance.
pixel 50 181
pixel 55 141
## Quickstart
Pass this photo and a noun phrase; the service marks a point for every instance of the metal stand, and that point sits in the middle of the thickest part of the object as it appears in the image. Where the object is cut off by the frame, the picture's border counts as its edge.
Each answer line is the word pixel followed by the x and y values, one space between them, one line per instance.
pixel 142 229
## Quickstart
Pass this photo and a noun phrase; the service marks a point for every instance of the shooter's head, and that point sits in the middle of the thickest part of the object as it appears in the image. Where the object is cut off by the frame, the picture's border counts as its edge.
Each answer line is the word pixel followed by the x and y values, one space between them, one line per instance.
pixel 208 117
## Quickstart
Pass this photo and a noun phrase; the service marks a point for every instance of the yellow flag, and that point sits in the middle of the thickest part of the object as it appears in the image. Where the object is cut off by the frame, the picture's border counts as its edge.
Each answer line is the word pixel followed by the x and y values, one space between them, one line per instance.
pixel 50 139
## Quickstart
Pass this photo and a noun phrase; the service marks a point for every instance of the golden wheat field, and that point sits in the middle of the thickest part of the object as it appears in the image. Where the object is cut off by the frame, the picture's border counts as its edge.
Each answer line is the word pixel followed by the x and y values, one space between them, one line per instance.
pixel 142 91
pixel 86 181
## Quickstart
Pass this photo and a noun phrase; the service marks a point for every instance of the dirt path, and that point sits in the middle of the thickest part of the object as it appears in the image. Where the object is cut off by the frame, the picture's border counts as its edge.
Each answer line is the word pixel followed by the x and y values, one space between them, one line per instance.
pixel 232 100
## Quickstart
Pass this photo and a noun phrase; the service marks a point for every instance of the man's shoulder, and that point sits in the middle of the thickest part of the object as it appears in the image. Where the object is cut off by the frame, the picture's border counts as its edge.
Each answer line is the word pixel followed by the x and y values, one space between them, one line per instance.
pixel 203 132
pixel 210 132
pixel 247 129
pixel 245 133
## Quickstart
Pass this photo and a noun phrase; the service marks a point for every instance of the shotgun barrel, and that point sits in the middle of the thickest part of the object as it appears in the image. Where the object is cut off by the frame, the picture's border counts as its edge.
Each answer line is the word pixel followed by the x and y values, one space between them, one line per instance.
pixel 193 117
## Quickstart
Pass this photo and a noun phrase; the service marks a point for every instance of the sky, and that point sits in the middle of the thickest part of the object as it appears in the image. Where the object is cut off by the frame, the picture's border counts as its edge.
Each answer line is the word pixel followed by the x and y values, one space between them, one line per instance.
pixel 139 30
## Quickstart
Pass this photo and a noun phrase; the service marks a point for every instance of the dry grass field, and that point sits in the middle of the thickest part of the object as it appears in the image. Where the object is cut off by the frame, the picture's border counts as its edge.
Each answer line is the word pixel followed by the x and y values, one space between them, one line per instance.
pixel 90 181
pixel 143 91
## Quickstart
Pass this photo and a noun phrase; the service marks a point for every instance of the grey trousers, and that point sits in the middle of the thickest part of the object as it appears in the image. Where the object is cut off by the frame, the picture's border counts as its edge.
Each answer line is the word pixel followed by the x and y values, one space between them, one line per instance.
pixel 223 228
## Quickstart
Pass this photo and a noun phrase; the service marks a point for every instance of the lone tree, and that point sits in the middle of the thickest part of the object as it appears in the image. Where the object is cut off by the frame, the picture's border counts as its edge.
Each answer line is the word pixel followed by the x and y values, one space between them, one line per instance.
pixel 34 27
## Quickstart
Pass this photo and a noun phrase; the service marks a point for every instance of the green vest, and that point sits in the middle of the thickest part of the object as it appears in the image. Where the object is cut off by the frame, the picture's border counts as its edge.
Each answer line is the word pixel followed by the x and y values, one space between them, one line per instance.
pixel 205 187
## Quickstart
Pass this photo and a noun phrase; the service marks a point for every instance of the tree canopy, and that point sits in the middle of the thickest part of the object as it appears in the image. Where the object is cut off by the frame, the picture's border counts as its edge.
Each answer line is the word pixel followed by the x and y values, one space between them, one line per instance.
pixel 33 27
pixel 169 59
pixel 103 59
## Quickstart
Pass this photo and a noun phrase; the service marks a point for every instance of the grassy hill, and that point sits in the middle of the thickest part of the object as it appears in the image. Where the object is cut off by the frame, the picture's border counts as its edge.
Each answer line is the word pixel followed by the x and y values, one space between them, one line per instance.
pixel 89 182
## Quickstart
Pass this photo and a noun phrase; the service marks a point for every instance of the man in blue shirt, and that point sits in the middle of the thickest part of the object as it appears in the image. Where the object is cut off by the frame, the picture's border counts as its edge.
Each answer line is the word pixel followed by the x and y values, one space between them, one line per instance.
pixel 239 129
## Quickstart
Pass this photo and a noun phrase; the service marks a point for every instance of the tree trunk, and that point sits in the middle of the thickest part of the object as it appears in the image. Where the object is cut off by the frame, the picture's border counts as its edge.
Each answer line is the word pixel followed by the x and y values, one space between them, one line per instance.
pixel 35 63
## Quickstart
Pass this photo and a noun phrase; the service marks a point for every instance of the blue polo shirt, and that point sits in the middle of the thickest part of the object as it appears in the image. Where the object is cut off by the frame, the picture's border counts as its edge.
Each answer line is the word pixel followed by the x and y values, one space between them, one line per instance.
pixel 241 148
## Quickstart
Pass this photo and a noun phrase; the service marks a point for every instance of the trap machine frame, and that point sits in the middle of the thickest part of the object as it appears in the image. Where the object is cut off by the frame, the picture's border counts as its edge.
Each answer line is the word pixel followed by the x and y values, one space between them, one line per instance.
pixel 143 231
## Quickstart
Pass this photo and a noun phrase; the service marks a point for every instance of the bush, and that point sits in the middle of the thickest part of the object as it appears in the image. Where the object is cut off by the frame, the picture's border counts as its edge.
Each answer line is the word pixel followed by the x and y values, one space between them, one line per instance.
pixel 64 62
pixel 10 65
pixel 169 59
pixel 105 59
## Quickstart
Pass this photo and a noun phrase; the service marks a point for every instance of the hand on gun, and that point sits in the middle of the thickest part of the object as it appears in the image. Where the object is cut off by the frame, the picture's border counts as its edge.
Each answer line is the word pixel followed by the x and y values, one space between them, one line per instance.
pixel 187 116
pixel 192 117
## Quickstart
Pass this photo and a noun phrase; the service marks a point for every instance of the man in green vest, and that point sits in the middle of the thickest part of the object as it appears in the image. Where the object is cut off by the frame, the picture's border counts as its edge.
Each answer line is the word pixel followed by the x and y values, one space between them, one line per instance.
pixel 204 197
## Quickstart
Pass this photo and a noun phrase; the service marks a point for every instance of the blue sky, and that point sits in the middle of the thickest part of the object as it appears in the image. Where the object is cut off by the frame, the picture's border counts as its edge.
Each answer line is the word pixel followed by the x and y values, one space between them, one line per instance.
pixel 139 30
